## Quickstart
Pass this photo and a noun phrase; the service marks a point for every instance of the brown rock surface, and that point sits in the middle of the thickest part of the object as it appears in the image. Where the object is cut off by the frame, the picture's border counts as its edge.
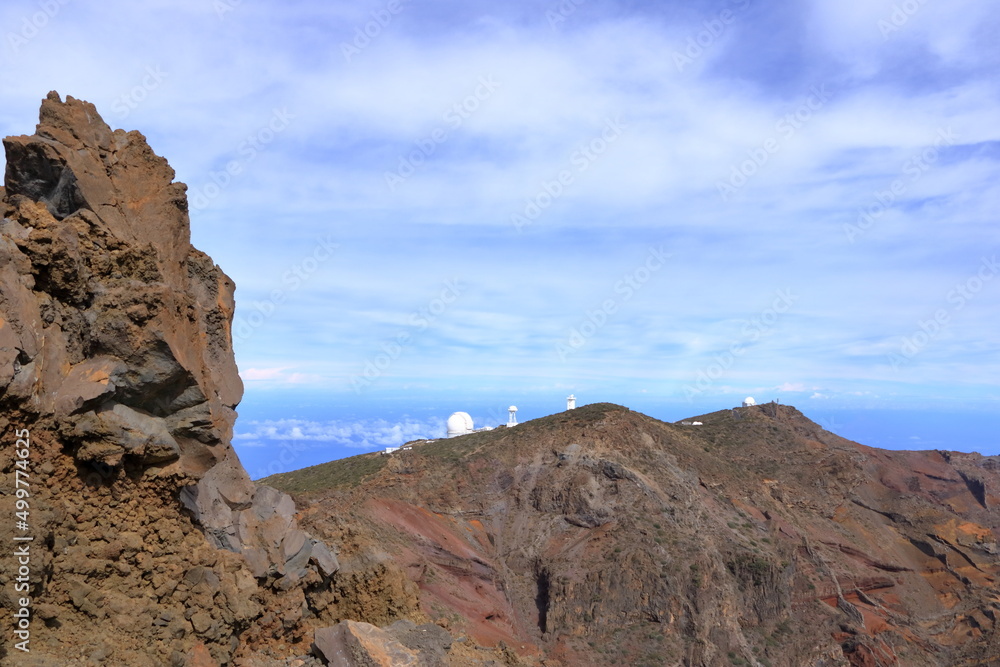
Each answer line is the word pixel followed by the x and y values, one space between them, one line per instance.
pixel 116 328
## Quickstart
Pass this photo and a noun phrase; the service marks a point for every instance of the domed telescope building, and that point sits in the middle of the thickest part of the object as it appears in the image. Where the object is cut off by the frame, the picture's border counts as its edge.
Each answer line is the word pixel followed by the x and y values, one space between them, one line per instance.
pixel 460 423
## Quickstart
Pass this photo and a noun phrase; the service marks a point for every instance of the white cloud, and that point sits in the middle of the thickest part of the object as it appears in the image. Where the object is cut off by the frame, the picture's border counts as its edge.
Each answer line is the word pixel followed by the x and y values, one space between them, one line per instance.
pixel 256 374
pixel 362 434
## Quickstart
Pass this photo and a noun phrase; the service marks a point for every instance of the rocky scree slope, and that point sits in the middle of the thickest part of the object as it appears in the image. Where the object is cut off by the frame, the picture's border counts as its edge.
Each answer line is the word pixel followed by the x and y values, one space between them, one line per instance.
pixel 150 544
pixel 601 536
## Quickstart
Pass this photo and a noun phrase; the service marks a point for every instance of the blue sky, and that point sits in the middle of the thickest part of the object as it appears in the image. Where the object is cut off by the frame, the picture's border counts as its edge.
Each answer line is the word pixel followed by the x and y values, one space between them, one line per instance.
pixel 429 207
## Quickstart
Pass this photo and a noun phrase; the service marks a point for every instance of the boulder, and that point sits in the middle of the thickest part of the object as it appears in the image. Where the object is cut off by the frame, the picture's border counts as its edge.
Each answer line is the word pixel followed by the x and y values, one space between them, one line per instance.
pixel 353 644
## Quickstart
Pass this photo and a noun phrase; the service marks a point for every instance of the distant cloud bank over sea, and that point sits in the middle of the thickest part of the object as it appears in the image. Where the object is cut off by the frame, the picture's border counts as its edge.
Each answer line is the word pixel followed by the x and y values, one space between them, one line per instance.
pixel 283 433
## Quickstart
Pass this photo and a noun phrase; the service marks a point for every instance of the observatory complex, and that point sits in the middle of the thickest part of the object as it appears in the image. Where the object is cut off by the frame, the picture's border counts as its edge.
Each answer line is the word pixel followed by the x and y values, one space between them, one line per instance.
pixel 460 423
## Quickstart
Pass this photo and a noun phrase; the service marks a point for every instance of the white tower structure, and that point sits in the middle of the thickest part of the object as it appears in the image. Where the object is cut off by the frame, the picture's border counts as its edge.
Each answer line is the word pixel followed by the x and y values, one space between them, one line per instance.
pixel 459 423
pixel 748 401
pixel 571 402
pixel 512 416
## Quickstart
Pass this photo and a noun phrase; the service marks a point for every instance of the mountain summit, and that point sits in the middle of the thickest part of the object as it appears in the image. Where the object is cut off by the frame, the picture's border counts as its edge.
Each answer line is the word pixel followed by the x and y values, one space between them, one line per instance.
pixel 601 536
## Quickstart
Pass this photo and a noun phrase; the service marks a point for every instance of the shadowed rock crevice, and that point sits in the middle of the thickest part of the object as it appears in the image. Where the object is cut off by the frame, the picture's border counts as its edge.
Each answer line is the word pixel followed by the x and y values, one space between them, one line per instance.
pixel 976 487
pixel 542 600
pixel 36 172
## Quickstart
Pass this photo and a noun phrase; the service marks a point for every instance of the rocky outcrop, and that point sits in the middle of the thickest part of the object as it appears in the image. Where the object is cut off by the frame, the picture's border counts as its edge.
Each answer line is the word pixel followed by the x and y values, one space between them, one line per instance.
pixel 149 544
pixel 115 326
pixel 264 530
pixel 351 644
pixel 403 644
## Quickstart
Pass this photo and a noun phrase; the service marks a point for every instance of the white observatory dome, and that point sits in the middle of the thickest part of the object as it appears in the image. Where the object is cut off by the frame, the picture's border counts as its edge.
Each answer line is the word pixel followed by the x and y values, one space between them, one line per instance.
pixel 748 401
pixel 459 423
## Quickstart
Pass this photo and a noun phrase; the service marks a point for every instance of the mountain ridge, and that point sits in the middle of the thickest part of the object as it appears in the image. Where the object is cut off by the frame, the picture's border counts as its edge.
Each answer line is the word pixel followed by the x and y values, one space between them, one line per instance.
pixel 758 536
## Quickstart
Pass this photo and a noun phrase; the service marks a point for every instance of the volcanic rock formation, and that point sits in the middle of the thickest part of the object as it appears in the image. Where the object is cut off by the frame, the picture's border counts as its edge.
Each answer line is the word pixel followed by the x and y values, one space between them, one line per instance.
pixel 141 538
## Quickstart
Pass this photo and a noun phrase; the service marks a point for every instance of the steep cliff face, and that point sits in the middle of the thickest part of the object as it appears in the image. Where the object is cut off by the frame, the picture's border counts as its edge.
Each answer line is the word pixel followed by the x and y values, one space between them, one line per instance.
pixel 115 327
pixel 601 536
pixel 142 539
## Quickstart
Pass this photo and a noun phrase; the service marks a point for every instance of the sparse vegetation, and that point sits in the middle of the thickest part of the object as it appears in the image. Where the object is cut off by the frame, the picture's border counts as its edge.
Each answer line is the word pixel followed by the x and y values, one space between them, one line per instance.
pixel 335 474
pixel 453 450
pixel 750 568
